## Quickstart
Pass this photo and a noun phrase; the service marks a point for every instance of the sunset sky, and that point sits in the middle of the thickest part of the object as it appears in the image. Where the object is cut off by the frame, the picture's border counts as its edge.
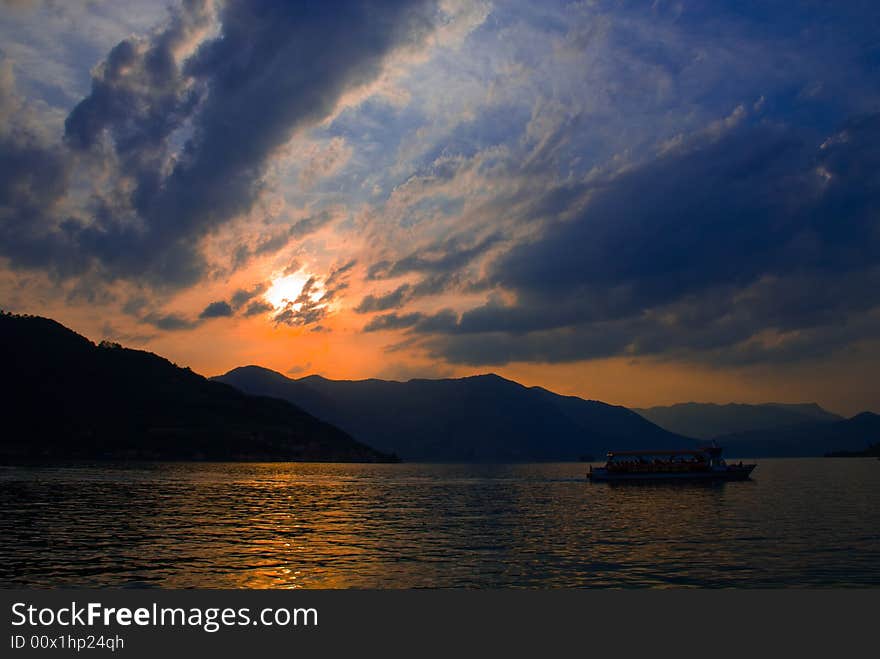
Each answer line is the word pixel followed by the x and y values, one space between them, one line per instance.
pixel 637 202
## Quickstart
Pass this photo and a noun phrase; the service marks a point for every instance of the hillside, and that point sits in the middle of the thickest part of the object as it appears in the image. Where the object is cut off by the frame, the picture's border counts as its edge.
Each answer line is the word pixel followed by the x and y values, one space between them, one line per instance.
pixel 67 398
pixel 480 418
pixel 709 420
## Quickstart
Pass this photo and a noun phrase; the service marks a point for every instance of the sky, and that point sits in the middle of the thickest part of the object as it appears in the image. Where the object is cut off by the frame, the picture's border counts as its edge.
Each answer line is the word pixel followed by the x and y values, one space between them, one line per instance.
pixel 636 202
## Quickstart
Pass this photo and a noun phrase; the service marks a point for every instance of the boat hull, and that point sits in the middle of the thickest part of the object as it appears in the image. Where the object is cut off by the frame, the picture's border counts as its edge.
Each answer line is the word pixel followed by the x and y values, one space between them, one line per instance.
pixel 731 473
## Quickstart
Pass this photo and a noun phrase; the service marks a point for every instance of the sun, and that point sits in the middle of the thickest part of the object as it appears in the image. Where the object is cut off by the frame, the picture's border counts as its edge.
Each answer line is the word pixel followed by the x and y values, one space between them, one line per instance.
pixel 287 288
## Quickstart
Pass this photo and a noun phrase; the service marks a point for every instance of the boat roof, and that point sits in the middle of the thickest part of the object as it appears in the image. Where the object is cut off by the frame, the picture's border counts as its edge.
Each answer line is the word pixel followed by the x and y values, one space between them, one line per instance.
pixel 697 451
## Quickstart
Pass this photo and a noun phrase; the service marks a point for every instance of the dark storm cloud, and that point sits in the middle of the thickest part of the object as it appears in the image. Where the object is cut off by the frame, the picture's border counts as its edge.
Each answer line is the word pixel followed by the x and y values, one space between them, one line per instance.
pixel 721 341
pixel 139 95
pixel 33 178
pixel 759 200
pixel 135 305
pixel 238 300
pixel 169 322
pixel 442 321
pixel 441 263
pixel 553 346
pixel 242 295
pixel 431 285
pixel 257 308
pixel 219 309
pixel 392 300
pixel 720 212
pixel 756 228
pixel 110 332
pixel 274 68
pixel 393 321
pixel 439 283
pixel 448 256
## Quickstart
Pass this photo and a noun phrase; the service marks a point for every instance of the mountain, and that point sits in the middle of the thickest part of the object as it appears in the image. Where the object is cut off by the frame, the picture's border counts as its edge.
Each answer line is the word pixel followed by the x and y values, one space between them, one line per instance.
pixel 873 451
pixel 480 418
pixel 67 398
pixel 708 420
pixel 805 439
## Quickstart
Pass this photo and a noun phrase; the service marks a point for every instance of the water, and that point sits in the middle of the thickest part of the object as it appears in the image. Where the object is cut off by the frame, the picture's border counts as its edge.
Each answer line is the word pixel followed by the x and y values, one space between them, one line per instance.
pixel 799 522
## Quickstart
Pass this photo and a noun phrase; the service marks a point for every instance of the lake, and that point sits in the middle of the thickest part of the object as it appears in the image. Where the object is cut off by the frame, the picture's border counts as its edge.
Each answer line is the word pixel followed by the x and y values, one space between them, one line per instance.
pixel 797 523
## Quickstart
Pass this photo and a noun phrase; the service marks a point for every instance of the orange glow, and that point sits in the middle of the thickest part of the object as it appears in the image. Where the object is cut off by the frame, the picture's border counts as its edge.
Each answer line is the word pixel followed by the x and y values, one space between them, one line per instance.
pixel 342 350
pixel 287 288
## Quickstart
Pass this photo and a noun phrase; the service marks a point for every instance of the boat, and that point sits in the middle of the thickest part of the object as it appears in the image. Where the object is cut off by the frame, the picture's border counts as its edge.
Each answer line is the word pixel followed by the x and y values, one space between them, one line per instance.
pixel 696 464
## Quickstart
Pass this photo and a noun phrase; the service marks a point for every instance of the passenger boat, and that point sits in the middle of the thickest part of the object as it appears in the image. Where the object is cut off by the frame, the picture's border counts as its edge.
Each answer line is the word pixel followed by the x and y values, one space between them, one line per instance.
pixel 697 464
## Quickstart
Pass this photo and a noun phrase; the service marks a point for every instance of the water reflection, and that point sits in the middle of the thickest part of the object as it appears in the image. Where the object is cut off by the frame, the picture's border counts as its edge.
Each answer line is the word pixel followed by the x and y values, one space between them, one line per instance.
pixel 799 523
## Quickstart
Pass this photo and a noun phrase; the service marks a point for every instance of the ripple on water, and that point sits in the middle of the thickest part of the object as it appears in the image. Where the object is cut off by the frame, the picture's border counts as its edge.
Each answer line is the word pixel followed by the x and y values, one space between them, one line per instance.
pixel 800 522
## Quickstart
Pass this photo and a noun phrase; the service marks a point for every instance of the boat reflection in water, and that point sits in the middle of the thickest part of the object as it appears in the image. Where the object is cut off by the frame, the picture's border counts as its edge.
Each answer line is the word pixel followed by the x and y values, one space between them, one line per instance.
pixel 683 465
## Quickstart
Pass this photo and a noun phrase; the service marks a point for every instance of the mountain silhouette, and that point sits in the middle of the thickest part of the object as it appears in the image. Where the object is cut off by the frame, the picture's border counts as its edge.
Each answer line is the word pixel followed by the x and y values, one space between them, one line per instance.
pixel 67 398
pixel 709 420
pixel 873 451
pixel 480 418
pixel 806 439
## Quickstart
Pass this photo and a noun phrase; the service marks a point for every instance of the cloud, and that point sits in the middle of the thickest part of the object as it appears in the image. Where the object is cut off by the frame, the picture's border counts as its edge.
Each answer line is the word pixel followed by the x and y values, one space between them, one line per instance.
pixel 305 309
pixel 257 308
pixel 139 95
pixel 299 368
pixel 718 211
pixel 391 300
pixel 33 178
pixel 393 321
pixel 440 258
pixel 219 309
pixel 241 296
pixel 323 160
pixel 20 4
pixel 337 279
pixel 442 321
pixel 179 130
pixel 295 231
pixel 745 241
pixel 590 180
pixel 433 284
pixel 110 332
pixel 292 267
pixel 313 303
pixel 169 322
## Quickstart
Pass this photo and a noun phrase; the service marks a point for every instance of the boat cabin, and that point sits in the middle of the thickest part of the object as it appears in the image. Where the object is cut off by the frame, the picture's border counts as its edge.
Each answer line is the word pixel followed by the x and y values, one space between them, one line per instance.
pixel 665 461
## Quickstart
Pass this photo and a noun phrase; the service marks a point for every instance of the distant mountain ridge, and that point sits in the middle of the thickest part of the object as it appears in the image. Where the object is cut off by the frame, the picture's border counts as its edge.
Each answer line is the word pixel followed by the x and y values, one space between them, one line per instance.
pixel 770 429
pixel 711 420
pixel 806 439
pixel 67 398
pixel 873 451
pixel 478 418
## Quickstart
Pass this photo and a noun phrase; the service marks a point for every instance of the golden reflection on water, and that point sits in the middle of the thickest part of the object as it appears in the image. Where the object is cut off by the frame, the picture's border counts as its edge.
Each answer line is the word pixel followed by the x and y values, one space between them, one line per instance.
pixel 409 525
